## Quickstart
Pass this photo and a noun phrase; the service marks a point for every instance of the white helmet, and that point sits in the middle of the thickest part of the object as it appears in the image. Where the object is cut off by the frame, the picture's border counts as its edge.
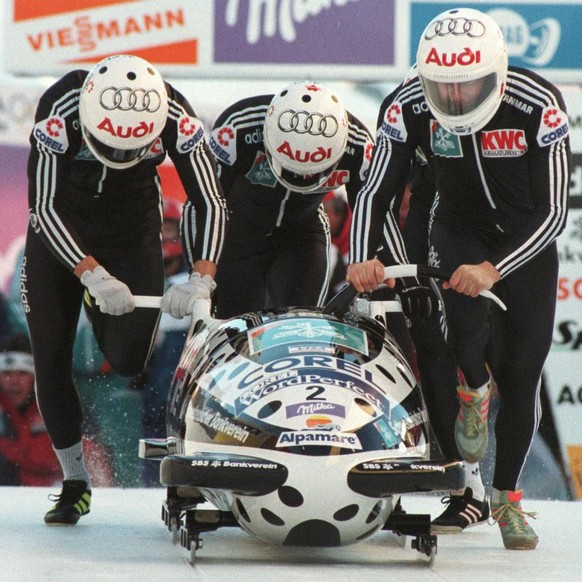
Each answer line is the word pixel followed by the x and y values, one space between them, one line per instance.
pixel 462 65
pixel 306 131
pixel 122 109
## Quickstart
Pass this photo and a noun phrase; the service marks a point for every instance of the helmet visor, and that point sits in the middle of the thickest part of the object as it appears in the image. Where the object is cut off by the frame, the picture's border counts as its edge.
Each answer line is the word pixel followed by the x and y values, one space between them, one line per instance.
pixel 299 182
pixel 457 99
pixel 116 155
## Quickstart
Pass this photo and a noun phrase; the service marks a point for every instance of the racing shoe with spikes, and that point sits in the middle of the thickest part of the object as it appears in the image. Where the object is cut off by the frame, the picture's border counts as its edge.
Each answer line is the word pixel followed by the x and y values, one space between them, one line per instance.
pixel 462 511
pixel 516 532
pixel 73 502
pixel 471 430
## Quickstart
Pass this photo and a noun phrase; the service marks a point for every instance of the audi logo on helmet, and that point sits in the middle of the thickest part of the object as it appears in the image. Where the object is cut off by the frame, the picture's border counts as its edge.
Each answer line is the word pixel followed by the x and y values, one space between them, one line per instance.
pixel 306 122
pixel 459 26
pixel 128 99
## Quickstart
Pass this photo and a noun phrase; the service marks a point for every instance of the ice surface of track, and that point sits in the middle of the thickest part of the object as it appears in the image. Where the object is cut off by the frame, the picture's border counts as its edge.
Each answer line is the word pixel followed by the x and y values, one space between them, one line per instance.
pixel 123 538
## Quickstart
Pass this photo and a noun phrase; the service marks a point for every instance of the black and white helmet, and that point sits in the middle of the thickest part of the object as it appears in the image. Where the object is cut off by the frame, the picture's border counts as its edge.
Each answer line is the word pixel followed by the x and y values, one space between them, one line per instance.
pixel 306 131
pixel 462 65
pixel 123 109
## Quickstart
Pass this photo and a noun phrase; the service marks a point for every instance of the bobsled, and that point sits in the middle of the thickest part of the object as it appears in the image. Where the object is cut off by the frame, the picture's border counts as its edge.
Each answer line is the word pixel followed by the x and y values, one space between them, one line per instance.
pixel 301 426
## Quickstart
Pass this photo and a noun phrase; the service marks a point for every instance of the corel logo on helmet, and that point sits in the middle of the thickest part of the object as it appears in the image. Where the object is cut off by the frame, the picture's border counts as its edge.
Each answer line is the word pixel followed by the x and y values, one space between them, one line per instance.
pixel 140 130
pixel 303 157
pixel 464 58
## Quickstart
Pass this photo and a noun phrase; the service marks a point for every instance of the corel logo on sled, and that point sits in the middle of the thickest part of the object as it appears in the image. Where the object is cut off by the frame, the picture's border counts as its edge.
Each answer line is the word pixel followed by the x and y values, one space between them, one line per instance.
pixel 319 438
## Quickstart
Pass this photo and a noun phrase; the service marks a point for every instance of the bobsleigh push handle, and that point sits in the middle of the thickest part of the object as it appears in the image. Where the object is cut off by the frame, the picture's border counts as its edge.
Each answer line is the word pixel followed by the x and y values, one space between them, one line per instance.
pixel 398 271
pixel 201 308
pixel 341 301
pixel 151 301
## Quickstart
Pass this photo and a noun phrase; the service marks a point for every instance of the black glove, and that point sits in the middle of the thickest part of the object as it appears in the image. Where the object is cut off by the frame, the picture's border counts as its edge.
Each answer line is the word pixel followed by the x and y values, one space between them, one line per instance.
pixel 418 301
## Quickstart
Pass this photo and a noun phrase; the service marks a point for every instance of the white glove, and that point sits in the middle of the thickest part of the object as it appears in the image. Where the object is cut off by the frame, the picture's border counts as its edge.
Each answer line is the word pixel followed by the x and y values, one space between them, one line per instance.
pixel 179 300
pixel 111 295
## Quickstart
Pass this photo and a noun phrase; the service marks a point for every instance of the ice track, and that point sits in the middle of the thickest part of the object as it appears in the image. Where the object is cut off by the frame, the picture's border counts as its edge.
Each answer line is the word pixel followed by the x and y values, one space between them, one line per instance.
pixel 123 538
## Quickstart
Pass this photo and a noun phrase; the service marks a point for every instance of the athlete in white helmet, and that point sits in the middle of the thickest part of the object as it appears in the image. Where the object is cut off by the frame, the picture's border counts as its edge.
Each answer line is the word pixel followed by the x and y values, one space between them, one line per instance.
pixel 495 138
pixel 306 132
pixel 278 156
pixel 462 66
pixel 95 231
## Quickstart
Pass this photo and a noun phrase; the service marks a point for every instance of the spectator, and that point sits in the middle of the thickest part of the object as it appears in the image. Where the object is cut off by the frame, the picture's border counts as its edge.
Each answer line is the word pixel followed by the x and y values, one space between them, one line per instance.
pixel 26 453
pixel 339 216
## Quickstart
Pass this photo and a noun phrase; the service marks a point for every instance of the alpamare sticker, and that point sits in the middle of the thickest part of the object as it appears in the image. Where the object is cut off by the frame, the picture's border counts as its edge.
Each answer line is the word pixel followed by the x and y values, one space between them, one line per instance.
pixel 319 438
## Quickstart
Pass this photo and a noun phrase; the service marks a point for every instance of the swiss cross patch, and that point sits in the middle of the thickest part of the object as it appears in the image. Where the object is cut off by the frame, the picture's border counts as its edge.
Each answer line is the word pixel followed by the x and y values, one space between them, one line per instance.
pixel 261 173
pixel 444 143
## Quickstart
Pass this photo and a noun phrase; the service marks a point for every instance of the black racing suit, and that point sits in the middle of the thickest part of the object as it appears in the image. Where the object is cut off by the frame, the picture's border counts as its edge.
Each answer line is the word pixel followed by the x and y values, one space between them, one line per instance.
pixel 80 208
pixel 276 249
pixel 437 367
pixel 501 197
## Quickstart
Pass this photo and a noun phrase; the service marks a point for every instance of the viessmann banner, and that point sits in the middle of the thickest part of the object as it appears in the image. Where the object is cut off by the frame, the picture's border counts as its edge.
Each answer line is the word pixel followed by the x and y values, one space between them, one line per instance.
pixel 341 39
pixel 222 38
